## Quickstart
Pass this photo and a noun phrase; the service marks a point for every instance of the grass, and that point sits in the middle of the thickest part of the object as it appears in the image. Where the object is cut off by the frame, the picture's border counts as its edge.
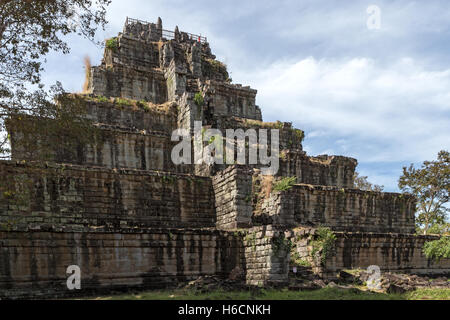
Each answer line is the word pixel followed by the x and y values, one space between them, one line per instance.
pixel 283 294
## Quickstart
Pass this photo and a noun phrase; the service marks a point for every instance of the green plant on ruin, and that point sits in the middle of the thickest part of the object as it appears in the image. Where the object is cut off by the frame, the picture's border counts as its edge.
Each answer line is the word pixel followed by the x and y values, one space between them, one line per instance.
pixel 297 260
pixel 240 233
pixel 281 244
pixel 300 134
pixel 9 224
pixel 112 44
pixel 123 102
pixel 168 179
pixel 437 249
pixel 144 105
pixel 141 104
pixel 284 184
pixel 323 245
pixel 16 192
pixel 198 99
pixel 212 67
pixel 101 99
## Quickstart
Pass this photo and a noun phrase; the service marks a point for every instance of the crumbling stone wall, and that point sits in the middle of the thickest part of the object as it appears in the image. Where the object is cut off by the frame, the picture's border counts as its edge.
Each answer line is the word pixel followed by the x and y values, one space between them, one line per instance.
pixel 226 99
pixel 267 253
pixel 130 52
pixel 151 118
pixel 143 30
pixel 75 198
pixel 33 264
pixel 392 252
pixel 400 252
pixel 341 209
pixel 233 198
pixel 321 170
pixel 125 82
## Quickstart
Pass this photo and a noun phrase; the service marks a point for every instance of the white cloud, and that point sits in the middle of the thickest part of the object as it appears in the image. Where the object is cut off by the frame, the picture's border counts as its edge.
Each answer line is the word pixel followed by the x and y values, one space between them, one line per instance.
pixel 389 113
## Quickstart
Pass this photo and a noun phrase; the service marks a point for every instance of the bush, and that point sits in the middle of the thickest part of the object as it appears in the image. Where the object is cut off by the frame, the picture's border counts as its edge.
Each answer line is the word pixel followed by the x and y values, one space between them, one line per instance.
pixel 198 99
pixel 112 44
pixel 437 249
pixel 324 243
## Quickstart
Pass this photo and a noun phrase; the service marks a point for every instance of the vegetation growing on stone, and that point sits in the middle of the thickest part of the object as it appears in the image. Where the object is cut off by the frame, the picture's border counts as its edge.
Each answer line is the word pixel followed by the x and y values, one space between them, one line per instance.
pixel 112 44
pixel 198 99
pixel 281 244
pixel 300 134
pixel 212 68
pixel 123 102
pixel 284 184
pixel 296 260
pixel 323 246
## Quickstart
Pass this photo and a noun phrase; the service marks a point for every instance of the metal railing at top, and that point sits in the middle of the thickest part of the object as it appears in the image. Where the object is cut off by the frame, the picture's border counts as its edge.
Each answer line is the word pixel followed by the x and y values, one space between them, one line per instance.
pixel 167 33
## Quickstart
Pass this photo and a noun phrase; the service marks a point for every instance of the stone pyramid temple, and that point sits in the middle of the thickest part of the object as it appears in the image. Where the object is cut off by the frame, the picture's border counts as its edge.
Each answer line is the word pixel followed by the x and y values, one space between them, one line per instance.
pixel 129 217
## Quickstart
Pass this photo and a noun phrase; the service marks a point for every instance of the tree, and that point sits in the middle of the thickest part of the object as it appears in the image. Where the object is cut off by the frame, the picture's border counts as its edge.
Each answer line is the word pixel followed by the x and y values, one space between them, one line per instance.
pixel 360 182
pixel 28 31
pixel 431 185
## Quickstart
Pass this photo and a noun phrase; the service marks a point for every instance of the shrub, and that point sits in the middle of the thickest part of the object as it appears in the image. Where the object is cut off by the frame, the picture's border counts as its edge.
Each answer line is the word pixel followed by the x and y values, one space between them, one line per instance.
pixel 198 99
pixel 437 249
pixel 299 134
pixel 112 44
pixel 323 244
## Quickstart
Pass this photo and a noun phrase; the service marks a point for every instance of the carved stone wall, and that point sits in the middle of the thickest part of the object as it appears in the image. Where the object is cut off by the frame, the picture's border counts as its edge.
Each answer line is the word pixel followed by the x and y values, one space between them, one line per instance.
pixel 322 170
pixel 233 199
pixel 399 252
pixel 341 209
pixel 33 264
pixel 75 198
pixel 126 82
pixel 266 256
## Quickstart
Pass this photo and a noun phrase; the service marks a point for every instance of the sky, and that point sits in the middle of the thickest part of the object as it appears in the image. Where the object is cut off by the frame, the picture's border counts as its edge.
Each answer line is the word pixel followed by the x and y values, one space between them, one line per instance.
pixel 380 95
